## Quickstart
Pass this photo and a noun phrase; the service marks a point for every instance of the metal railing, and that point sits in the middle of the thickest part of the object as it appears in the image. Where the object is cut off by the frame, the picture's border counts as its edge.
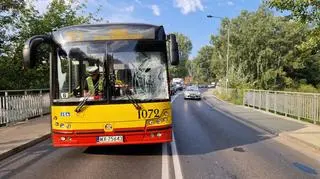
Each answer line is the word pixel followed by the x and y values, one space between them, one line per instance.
pixel 18 105
pixel 293 104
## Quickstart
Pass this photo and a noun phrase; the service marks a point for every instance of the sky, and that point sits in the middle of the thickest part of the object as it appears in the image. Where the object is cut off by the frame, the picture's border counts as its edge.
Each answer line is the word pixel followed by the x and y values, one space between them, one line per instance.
pixel 184 16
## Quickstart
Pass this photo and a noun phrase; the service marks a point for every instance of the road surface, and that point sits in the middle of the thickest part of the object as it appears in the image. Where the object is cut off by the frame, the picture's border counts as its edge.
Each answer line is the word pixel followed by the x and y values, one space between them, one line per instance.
pixel 208 144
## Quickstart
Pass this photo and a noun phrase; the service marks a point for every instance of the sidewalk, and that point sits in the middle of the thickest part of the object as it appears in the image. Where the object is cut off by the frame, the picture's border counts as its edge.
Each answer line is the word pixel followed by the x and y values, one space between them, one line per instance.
pixel 279 125
pixel 22 135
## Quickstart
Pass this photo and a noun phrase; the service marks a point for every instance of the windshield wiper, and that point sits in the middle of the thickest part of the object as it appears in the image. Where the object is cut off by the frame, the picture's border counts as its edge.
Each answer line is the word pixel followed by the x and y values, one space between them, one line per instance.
pixel 83 102
pixel 133 101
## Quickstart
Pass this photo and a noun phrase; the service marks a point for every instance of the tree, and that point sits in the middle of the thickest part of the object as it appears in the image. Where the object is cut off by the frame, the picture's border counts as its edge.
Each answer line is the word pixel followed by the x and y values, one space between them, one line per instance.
pixel 305 11
pixel 263 52
pixel 29 22
pixel 185 47
pixel 9 15
pixel 201 64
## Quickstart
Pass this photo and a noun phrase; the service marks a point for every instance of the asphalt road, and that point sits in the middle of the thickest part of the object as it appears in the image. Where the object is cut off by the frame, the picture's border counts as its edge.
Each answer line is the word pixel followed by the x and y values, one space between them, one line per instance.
pixel 209 145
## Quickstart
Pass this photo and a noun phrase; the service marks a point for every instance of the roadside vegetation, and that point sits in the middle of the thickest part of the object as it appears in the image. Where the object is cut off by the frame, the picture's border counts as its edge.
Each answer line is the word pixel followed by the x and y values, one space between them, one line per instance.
pixel 234 96
pixel 267 51
pixel 19 20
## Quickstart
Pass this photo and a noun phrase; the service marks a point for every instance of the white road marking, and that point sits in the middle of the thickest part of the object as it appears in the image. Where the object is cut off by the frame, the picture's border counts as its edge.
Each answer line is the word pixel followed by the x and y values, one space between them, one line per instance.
pixel 165 162
pixel 175 155
pixel 176 161
pixel 165 174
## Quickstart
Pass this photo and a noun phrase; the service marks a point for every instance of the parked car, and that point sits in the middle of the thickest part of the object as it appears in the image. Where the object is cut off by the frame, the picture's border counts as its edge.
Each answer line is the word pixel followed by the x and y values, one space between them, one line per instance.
pixel 173 90
pixel 179 87
pixel 192 92
pixel 202 86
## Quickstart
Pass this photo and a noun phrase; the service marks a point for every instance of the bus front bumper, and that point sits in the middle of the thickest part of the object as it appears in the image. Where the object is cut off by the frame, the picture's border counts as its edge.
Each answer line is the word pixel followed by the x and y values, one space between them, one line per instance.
pixel 91 137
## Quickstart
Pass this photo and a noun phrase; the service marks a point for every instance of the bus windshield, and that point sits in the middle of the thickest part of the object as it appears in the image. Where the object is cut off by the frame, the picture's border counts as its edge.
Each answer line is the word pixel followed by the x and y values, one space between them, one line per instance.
pixel 129 67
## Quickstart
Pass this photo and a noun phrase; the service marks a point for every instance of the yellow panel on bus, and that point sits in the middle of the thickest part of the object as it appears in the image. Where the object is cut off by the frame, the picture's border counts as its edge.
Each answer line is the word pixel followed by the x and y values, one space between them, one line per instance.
pixel 118 115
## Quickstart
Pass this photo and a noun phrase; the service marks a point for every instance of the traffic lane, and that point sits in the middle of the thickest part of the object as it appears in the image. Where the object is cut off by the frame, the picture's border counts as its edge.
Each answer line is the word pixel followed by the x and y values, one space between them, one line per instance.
pixel 44 161
pixel 212 145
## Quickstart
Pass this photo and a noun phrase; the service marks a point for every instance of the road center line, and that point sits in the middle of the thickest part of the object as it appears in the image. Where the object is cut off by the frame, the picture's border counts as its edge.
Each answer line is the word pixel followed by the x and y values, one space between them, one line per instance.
pixel 165 162
pixel 175 155
pixel 165 156
pixel 176 161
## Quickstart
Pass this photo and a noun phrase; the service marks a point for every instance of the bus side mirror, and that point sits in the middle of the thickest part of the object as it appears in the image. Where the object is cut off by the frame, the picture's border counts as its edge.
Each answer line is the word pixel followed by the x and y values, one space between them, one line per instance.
pixel 30 47
pixel 173 50
pixel 77 53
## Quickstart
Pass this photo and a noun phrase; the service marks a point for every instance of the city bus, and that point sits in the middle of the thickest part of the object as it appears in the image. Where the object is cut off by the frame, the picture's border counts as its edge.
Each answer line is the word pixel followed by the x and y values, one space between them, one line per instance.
pixel 132 61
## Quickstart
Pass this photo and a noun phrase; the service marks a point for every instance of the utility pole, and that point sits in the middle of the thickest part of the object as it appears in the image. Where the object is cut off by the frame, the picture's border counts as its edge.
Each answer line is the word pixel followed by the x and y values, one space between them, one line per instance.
pixel 228 57
pixel 228 48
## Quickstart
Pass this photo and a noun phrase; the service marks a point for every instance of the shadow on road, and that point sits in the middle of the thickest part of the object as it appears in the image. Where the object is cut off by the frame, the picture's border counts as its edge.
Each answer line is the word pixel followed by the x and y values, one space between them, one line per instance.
pixel 28 156
pixel 130 150
pixel 200 129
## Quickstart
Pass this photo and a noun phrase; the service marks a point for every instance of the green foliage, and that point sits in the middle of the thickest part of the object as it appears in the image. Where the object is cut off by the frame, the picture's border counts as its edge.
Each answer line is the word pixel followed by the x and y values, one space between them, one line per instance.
pixel 24 22
pixel 233 96
pixel 305 11
pixel 307 88
pixel 200 67
pixel 265 53
pixel 185 47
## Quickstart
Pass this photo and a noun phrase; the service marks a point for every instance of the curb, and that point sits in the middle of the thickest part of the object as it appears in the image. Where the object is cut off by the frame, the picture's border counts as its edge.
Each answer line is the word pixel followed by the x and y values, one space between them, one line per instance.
pixel 315 147
pixel 24 146
pixel 281 116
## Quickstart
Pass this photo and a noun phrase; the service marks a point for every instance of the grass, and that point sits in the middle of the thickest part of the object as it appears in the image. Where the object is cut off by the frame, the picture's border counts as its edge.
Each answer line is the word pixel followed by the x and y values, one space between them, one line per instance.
pixel 234 96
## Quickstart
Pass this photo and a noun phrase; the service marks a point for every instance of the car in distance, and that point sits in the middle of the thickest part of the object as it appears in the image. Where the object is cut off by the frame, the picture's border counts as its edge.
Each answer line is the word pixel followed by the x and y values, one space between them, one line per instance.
pixel 192 92
pixel 173 90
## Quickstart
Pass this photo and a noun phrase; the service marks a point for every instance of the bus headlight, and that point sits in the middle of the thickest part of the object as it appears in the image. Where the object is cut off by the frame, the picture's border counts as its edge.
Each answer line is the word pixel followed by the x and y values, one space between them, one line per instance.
pixel 108 127
pixel 68 126
pixel 149 122
pixel 156 121
pixel 165 114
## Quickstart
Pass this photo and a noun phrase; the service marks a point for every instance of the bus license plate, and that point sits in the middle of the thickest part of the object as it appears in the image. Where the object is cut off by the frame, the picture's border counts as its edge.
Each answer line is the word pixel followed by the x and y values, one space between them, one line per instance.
pixel 109 139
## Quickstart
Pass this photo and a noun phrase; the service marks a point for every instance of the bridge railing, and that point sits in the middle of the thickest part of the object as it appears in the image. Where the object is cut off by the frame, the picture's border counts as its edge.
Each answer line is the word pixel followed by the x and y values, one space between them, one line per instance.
pixel 19 105
pixel 293 104
pixel 302 106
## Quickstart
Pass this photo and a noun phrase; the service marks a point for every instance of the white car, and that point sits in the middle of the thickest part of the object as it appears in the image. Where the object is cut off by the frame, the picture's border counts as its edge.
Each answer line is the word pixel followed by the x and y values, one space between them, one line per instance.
pixel 192 92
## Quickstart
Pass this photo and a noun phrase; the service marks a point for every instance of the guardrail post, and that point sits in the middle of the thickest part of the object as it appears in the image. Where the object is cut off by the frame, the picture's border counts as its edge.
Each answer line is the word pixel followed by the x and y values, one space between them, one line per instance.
pixel 275 102
pixel 267 100
pixel 260 100
pixel 41 103
pixel 299 106
pixel 26 93
pixel 314 109
pixel 6 108
pixel 317 108
pixel 285 106
pixel 254 99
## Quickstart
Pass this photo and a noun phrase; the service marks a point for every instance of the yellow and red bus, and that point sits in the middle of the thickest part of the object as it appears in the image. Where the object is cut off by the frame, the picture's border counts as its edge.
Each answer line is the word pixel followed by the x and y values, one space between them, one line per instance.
pixel 132 59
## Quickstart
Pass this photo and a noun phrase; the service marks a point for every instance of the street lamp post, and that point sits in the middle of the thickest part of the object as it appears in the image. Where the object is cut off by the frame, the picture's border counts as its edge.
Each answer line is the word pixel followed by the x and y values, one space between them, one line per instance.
pixel 228 45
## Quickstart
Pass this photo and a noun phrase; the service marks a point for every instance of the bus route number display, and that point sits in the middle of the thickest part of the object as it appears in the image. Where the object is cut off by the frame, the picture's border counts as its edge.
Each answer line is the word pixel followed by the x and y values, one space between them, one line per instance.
pixel 150 113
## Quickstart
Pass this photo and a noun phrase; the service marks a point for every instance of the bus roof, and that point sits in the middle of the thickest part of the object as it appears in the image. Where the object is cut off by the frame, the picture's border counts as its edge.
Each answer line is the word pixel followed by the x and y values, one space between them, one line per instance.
pixel 111 31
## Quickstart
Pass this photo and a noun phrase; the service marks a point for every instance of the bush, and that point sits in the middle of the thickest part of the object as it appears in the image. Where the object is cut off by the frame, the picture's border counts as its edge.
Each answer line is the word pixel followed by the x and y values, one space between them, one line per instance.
pixel 307 88
pixel 234 96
